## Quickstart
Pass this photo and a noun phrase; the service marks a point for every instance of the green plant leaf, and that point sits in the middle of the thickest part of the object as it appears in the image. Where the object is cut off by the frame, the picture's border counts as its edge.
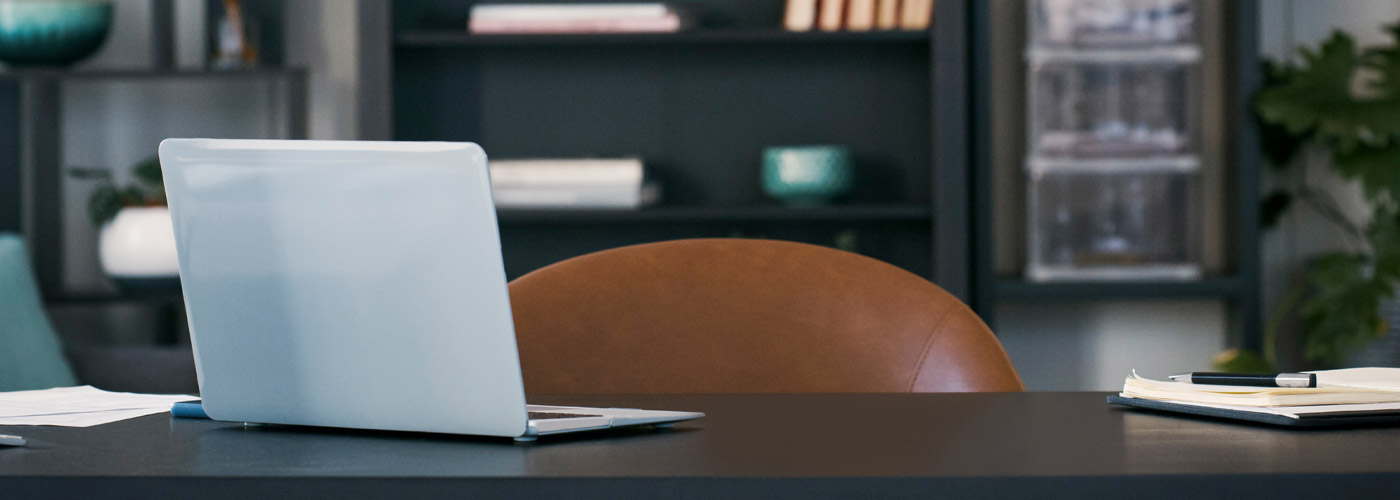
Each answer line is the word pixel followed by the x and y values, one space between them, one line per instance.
pixel 1317 99
pixel 1241 361
pixel 133 196
pixel 1343 311
pixel 148 172
pixel 90 173
pixel 1383 234
pixel 1277 143
pixel 1385 62
pixel 1378 169
pixel 1273 207
pixel 103 204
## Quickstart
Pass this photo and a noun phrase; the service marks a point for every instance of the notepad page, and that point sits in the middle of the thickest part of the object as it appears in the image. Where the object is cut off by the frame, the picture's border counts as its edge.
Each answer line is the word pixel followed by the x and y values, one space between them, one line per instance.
pixel 1137 387
pixel 83 406
pixel 1379 379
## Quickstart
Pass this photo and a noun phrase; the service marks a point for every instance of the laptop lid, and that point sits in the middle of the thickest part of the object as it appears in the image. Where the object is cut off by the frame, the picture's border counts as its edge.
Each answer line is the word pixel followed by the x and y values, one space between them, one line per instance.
pixel 345 284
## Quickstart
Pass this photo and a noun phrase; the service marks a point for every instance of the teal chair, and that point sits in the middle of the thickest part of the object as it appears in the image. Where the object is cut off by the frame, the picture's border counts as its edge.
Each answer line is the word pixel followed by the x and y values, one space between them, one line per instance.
pixel 30 354
pixel 32 357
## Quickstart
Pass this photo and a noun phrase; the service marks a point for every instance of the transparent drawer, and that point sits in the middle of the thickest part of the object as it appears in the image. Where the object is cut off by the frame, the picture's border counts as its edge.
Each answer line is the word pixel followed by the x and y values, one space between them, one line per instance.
pixel 1098 105
pixel 1133 224
pixel 1111 23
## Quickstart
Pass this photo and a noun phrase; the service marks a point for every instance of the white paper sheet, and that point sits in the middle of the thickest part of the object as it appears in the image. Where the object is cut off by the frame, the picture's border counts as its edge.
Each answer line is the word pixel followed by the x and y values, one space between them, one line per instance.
pixel 83 406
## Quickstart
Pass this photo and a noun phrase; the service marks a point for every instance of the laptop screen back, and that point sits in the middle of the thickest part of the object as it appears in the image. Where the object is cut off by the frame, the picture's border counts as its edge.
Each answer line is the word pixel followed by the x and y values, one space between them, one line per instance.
pixel 345 284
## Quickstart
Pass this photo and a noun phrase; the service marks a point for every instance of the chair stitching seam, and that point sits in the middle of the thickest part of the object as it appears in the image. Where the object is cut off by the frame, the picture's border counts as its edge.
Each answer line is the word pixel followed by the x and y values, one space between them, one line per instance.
pixel 928 346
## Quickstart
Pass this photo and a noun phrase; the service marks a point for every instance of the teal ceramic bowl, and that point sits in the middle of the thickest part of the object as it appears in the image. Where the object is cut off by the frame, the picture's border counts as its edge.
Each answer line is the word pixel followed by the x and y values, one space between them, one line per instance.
pixel 52 32
pixel 806 175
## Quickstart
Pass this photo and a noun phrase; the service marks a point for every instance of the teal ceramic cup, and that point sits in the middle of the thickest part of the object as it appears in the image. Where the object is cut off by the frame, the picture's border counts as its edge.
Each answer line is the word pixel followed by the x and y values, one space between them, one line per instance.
pixel 806 175
pixel 52 32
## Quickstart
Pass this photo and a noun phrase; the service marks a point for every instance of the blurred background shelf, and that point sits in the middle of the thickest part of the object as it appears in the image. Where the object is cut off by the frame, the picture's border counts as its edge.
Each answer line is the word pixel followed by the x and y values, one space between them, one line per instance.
pixel 448 39
pixel 1011 289
pixel 156 74
pixel 106 299
pixel 757 213
pixel 699 107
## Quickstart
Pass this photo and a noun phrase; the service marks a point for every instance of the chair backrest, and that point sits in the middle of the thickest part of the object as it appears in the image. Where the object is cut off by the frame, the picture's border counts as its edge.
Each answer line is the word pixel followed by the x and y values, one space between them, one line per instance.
pixel 30 355
pixel 746 316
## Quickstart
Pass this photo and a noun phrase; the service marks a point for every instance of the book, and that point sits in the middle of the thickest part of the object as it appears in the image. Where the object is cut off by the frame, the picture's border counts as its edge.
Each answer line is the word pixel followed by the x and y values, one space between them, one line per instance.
pixel 832 13
pixel 1354 386
pixel 554 11
pixel 1290 416
pixel 669 24
pixel 916 14
pixel 887 14
pixel 576 197
pixel 801 15
pixel 578 18
pixel 617 172
pixel 860 15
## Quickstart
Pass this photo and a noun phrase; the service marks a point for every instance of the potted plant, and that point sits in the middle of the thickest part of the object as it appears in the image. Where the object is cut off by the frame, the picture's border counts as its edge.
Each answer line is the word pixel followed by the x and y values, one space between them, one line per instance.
pixel 1346 101
pixel 137 241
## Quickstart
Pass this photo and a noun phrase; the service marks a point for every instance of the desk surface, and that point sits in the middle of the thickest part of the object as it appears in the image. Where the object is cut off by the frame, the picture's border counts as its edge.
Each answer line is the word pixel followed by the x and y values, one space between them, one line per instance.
pixel 784 446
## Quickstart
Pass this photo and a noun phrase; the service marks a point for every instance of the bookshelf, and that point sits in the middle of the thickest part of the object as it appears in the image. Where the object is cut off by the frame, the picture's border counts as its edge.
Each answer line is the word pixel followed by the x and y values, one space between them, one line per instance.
pixel 699 106
pixel 31 121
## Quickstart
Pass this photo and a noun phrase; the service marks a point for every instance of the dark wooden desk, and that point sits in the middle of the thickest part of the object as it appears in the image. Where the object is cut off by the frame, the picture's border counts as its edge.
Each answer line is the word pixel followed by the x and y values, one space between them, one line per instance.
pixel 1041 445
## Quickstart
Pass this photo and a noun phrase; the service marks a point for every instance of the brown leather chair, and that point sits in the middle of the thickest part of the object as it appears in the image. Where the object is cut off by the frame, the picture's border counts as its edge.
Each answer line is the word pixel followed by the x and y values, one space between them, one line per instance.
pixel 747 316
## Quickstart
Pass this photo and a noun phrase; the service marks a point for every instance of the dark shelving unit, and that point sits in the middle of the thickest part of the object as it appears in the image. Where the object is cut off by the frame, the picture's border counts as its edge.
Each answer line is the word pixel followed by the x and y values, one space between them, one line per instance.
pixel 30 118
pixel 261 73
pixel 1239 287
pixel 699 107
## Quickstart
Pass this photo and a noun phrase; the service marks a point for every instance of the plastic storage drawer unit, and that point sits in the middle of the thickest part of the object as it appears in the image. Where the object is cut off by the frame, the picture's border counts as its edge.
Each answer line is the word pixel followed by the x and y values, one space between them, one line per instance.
pixel 1114 220
pixel 1112 23
pixel 1112 103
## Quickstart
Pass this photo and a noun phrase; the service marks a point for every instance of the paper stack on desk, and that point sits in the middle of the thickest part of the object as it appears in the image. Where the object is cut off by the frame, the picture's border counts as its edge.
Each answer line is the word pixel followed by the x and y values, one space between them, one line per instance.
pixel 84 406
pixel 1334 387
pixel 1354 396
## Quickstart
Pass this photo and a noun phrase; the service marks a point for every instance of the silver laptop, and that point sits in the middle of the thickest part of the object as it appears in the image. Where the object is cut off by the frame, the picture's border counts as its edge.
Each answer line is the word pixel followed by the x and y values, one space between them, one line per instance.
pixel 354 284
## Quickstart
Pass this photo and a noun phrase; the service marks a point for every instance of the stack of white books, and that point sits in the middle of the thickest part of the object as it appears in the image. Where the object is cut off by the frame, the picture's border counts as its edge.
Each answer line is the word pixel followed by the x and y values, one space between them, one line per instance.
pixel 577 18
pixel 617 183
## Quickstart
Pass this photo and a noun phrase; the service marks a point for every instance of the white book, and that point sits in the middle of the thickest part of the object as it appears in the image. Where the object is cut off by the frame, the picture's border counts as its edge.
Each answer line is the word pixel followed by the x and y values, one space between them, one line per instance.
pixel 669 24
pixel 605 197
pixel 530 12
pixel 801 15
pixel 624 172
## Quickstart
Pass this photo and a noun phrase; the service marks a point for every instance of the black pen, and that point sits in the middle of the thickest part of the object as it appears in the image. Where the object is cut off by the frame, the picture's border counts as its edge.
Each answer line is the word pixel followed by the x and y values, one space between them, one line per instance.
pixel 1250 379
